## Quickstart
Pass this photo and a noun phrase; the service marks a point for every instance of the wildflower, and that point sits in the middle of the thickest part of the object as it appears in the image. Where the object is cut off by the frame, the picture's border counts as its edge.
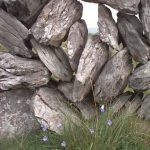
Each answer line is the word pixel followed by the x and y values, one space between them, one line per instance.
pixel 63 144
pixel 92 130
pixel 102 109
pixel 109 122
pixel 44 126
pixel 45 138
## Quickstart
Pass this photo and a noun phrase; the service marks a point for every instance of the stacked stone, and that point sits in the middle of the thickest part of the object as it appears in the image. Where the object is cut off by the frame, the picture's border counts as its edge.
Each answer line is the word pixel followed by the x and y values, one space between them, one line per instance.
pixel 39 79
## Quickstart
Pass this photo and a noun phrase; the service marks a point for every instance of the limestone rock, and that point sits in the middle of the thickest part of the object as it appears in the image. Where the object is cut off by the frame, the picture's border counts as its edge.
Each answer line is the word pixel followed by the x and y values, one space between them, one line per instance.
pixel 25 10
pixel 55 60
pixel 77 39
pixel 145 17
pixel 144 111
pixel 16 72
pixel 140 78
pixel 91 62
pixel 55 20
pixel 120 102
pixel 15 115
pixel 49 105
pixel 114 77
pixel 87 107
pixel 14 35
pixel 130 29
pixel 107 27
pixel 126 6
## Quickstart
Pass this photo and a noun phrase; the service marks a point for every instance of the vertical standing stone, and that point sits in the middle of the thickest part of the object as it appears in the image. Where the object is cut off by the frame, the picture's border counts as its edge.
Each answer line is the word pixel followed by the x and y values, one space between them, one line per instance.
pixel 114 77
pixel 91 62
pixel 145 17
pixel 131 31
pixel 107 27
pixel 77 39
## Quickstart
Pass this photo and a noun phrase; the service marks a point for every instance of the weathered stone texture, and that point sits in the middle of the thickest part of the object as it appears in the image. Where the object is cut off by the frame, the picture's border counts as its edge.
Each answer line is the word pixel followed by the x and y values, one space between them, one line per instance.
pixel 24 10
pixel 114 77
pixel 144 111
pixel 14 35
pixel 140 78
pixel 87 107
pixel 55 20
pixel 91 62
pixel 15 115
pixel 131 31
pixel 77 39
pixel 145 17
pixel 49 105
pixel 55 60
pixel 107 27
pixel 16 72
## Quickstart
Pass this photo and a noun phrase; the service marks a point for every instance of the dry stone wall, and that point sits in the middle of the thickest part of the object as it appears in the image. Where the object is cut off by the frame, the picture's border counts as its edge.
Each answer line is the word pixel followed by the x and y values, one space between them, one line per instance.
pixel 40 81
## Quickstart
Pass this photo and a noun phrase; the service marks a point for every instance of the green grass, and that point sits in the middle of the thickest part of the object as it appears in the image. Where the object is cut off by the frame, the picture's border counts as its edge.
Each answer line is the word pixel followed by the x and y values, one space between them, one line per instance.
pixel 125 133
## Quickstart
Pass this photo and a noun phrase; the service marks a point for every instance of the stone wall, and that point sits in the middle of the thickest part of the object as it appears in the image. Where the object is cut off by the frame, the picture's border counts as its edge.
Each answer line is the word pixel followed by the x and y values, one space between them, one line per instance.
pixel 39 79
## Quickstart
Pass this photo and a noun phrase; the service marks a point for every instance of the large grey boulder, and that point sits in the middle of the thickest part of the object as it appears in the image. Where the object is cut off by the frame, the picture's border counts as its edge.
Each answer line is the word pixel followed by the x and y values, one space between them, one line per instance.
pixel 25 10
pixel 140 78
pixel 55 60
pixel 127 6
pixel 16 116
pixel 114 77
pixel 144 111
pixel 145 17
pixel 87 107
pixel 14 35
pixel 77 39
pixel 16 72
pixel 131 31
pixel 49 105
pixel 55 20
pixel 91 62
pixel 107 27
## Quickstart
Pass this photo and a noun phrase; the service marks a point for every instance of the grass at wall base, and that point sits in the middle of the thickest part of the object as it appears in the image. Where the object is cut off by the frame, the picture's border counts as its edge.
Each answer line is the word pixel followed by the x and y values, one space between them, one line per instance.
pixel 123 132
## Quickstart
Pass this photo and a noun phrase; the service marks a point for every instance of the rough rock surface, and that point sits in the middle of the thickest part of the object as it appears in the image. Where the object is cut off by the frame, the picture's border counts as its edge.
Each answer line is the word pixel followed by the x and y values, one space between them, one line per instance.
pixel 87 108
pixel 140 78
pixel 120 101
pixel 55 60
pixel 14 35
pixel 77 39
pixel 127 6
pixel 130 28
pixel 15 114
pixel 144 111
pixel 114 77
pixel 24 10
pixel 145 17
pixel 107 27
pixel 54 21
pixel 134 105
pixel 16 72
pixel 91 62
pixel 49 105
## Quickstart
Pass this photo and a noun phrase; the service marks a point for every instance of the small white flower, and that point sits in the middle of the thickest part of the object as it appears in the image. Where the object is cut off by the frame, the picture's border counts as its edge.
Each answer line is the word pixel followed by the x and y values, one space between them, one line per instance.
pixel 45 138
pixel 63 144
pixel 102 109
pixel 109 122
pixel 92 130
